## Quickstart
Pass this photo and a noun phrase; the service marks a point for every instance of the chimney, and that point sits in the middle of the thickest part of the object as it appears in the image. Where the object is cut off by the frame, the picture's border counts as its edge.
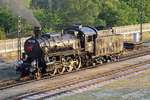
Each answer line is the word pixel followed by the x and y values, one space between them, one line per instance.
pixel 37 32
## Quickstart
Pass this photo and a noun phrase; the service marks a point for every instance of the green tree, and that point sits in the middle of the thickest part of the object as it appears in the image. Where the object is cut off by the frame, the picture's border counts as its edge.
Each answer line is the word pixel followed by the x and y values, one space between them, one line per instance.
pixel 135 4
pixel 118 13
pixel 42 4
pixel 7 20
pixel 79 11
pixel 49 21
pixel 55 15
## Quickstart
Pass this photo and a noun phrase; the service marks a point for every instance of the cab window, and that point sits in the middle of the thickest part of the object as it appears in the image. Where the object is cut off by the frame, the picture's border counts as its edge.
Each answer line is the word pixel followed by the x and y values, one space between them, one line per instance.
pixel 90 38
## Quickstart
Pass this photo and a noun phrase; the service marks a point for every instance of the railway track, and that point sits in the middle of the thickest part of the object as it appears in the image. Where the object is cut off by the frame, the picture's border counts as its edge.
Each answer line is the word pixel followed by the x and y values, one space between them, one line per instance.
pixel 25 80
pixel 85 83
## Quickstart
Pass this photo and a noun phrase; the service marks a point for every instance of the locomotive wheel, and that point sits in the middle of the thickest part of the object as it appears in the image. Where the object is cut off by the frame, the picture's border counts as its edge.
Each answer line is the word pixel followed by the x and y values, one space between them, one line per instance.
pixel 77 63
pixel 37 74
pixel 108 59
pixel 69 64
pixel 53 72
pixel 114 59
pixel 61 70
pixel 101 61
pixel 117 58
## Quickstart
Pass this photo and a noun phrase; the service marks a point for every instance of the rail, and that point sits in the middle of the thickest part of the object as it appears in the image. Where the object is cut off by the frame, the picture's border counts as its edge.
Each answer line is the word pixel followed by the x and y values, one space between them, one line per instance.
pixel 25 80
pixel 85 83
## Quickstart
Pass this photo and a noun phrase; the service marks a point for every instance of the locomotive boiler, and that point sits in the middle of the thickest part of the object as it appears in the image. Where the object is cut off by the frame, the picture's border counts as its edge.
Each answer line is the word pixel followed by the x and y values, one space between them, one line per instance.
pixel 71 49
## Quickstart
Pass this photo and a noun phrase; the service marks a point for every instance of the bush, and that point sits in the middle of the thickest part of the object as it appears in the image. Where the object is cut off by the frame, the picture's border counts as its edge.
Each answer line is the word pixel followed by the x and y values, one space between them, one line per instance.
pixel 2 35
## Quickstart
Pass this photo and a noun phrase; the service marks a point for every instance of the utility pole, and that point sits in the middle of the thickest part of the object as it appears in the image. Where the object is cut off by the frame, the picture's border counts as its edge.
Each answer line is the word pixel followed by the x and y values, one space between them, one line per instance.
pixel 19 37
pixel 141 19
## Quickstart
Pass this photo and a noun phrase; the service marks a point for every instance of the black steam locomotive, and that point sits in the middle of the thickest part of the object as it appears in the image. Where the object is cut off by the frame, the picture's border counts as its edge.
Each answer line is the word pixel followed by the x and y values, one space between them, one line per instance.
pixel 71 49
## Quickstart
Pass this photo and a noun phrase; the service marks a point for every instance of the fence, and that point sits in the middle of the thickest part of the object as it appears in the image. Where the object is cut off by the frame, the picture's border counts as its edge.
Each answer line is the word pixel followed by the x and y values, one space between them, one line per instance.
pixel 130 29
pixel 10 45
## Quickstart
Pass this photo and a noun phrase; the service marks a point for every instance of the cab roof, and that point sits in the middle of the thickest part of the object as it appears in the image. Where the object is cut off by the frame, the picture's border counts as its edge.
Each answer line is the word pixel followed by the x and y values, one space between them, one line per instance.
pixel 88 31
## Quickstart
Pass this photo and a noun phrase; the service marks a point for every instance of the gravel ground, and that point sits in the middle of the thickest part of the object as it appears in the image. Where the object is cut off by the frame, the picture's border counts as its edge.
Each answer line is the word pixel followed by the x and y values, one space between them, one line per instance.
pixel 7 74
pixel 7 71
pixel 133 88
pixel 7 66
pixel 36 86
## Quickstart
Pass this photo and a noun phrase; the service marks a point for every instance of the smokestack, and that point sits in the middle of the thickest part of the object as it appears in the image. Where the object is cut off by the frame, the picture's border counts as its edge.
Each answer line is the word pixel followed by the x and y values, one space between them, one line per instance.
pixel 37 32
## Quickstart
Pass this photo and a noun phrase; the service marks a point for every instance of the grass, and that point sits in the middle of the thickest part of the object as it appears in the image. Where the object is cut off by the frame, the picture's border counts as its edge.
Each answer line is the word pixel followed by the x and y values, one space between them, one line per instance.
pixel 9 57
pixel 146 36
pixel 146 44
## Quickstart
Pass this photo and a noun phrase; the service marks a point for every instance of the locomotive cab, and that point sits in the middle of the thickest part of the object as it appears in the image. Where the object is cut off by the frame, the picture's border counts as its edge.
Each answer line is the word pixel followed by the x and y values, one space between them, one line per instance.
pixel 89 38
pixel 89 43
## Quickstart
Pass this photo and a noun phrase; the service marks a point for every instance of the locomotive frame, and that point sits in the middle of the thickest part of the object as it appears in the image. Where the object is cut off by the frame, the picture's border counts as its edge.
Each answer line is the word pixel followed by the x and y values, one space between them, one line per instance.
pixel 68 50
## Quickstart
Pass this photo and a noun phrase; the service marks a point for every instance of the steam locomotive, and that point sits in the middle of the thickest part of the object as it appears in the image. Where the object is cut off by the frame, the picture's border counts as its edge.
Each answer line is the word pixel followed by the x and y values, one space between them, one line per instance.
pixel 71 49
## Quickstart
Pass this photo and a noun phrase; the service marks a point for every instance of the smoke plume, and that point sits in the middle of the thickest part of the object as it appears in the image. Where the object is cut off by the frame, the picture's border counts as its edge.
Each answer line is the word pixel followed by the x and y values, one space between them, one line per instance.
pixel 19 8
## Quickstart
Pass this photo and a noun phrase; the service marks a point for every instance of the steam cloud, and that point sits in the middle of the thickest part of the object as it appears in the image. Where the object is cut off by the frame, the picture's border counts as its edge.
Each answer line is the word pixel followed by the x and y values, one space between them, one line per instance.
pixel 19 8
